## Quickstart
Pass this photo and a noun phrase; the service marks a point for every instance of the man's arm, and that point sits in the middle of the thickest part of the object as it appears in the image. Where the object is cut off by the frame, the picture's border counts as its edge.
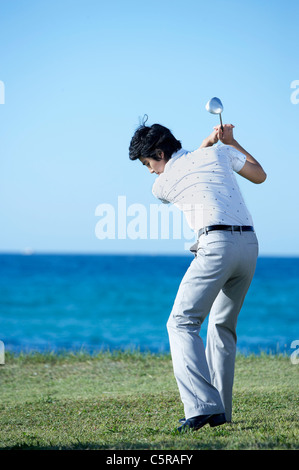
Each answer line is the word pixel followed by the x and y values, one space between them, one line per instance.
pixel 252 170
pixel 210 140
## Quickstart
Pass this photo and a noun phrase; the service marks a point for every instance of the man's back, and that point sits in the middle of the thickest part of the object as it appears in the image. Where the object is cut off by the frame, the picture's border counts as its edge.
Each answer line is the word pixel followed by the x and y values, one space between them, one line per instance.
pixel 203 185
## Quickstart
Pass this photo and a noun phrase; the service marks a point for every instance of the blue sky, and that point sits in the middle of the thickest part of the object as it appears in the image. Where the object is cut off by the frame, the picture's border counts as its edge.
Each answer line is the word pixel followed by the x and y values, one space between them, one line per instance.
pixel 78 75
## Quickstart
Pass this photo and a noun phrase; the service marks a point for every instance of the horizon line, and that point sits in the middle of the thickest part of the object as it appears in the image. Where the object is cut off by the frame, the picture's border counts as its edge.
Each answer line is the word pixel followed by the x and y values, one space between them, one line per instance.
pixel 126 253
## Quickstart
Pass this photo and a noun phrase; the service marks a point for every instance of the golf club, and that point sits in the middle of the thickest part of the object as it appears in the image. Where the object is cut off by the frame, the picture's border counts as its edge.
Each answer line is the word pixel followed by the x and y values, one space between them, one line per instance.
pixel 214 106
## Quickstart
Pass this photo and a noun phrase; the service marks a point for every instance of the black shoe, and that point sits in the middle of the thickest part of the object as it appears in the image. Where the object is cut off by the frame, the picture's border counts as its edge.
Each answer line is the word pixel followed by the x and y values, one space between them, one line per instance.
pixel 194 423
pixel 217 420
pixel 198 422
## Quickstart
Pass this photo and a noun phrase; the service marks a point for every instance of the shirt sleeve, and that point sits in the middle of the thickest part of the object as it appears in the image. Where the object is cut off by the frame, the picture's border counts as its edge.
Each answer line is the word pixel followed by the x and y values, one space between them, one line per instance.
pixel 237 158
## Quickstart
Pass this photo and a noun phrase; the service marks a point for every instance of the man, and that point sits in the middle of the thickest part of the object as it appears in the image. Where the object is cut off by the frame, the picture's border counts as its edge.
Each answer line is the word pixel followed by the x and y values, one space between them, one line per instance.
pixel 203 185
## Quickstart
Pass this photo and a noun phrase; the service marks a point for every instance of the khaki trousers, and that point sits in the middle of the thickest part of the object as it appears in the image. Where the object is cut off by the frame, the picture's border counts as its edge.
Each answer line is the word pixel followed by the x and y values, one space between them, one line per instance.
pixel 216 282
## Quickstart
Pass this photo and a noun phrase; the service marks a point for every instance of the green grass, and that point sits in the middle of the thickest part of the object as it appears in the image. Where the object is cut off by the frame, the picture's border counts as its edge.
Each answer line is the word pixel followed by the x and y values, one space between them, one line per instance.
pixel 130 401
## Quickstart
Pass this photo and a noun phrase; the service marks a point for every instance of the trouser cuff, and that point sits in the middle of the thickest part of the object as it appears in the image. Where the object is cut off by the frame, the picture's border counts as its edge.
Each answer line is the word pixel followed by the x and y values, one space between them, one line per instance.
pixel 203 410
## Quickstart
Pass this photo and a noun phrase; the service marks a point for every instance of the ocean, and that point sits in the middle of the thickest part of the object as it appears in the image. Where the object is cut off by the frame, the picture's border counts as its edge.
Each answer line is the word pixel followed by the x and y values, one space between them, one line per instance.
pixel 98 302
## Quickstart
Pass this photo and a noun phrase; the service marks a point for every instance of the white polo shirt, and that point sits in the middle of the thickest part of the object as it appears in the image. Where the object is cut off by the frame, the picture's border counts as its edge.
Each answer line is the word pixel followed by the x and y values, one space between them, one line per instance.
pixel 203 185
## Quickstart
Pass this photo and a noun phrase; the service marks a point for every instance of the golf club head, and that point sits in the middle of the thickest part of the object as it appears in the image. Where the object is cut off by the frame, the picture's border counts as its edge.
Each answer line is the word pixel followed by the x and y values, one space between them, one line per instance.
pixel 214 106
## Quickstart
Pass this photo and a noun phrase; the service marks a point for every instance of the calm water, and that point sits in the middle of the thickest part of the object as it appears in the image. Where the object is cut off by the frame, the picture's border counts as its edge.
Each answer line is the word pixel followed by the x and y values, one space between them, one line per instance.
pixel 58 302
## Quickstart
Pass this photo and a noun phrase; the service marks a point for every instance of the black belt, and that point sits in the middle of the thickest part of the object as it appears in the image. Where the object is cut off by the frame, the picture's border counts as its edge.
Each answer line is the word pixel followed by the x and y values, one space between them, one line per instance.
pixel 231 228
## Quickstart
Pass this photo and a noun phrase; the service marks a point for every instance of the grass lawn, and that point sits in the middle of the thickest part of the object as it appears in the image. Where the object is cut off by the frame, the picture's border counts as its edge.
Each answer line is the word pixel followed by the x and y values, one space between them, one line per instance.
pixel 130 401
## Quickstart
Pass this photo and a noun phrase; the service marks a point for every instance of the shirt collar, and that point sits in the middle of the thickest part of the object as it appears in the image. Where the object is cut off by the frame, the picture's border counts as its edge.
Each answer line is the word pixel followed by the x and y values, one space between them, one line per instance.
pixel 173 158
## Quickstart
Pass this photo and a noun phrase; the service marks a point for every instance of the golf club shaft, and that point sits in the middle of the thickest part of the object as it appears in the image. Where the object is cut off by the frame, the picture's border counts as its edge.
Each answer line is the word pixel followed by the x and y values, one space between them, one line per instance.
pixel 221 122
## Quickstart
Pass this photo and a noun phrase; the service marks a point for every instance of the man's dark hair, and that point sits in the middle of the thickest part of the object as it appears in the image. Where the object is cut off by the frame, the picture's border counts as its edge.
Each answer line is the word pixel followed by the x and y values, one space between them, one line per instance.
pixel 148 142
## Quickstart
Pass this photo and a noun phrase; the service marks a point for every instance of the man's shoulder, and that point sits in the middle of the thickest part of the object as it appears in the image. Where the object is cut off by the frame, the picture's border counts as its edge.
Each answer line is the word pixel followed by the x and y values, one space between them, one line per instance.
pixel 210 150
pixel 158 189
pixel 158 185
pixel 201 155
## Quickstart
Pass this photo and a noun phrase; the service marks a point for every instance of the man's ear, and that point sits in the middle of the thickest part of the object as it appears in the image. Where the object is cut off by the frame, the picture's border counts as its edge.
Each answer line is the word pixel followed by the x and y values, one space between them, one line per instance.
pixel 160 154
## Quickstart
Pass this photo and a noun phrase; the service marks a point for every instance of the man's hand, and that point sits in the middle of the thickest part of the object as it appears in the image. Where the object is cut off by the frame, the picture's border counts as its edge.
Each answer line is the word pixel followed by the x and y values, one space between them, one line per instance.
pixel 226 136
